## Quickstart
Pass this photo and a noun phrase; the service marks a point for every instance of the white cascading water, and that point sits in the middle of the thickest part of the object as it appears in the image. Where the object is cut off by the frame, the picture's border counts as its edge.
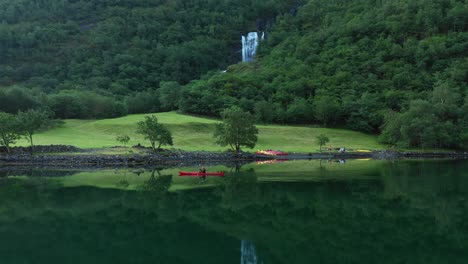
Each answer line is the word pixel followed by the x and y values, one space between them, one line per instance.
pixel 248 255
pixel 249 46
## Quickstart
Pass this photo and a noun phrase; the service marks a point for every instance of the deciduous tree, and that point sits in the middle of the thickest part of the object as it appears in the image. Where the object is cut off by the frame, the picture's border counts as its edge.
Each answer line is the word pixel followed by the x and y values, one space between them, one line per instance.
pixel 322 140
pixel 238 129
pixel 123 139
pixel 29 122
pixel 8 130
pixel 155 132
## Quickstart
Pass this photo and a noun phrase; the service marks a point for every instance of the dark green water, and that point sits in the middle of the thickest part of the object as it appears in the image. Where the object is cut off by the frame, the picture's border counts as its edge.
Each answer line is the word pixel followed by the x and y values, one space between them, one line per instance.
pixel 400 212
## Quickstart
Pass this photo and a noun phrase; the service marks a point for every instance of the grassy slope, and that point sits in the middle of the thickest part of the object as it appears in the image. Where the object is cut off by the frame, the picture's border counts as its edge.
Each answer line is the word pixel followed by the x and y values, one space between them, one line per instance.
pixel 193 133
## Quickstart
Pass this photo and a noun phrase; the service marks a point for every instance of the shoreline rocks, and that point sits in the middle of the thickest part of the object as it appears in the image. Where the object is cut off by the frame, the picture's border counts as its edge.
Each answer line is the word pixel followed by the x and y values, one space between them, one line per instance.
pixel 71 157
pixel 42 149
pixel 89 160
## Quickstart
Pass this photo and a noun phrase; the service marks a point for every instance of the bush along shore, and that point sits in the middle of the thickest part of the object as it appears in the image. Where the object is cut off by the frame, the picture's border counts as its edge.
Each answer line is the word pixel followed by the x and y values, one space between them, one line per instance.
pixel 70 156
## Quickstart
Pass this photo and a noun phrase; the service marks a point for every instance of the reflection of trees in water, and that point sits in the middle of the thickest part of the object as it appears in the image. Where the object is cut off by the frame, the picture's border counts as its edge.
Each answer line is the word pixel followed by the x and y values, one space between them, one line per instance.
pixel 394 220
pixel 236 167
pixel 339 222
pixel 434 186
pixel 25 196
pixel 324 164
pixel 154 195
pixel 138 172
pixel 239 188
pixel 157 185
pixel 123 182
pixel 92 225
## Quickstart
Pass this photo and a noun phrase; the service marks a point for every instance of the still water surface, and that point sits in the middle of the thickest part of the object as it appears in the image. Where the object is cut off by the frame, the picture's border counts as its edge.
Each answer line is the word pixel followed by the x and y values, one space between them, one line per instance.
pixel 286 212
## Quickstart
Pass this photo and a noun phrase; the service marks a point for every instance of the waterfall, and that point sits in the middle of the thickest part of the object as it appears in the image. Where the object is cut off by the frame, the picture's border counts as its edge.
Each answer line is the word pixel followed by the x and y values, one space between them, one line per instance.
pixel 248 255
pixel 249 45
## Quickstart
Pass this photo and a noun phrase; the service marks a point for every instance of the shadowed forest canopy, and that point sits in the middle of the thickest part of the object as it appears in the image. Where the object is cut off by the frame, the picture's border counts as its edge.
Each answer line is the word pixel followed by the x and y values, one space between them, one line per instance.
pixel 368 65
pixel 122 46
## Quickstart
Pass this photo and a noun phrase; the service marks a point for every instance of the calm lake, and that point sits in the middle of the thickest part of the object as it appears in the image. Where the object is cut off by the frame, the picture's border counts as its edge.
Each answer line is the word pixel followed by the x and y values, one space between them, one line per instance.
pixel 337 211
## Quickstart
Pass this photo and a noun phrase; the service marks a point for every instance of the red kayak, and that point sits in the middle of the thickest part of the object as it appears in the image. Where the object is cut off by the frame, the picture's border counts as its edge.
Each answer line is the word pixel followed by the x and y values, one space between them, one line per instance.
pixel 193 173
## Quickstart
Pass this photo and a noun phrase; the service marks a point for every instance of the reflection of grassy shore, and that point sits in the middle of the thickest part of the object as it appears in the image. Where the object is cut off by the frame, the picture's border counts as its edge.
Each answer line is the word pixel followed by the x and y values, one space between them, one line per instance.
pixel 193 133
pixel 132 179
pixel 312 170
pixel 299 170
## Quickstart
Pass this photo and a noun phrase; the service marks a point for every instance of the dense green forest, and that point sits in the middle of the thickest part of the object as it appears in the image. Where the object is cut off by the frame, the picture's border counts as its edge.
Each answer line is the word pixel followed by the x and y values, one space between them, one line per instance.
pixel 398 68
pixel 377 66
pixel 111 54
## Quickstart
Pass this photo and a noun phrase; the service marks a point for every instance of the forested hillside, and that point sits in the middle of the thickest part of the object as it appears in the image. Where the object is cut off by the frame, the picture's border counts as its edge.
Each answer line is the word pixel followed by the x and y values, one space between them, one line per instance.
pixel 398 68
pixel 122 46
pixel 107 50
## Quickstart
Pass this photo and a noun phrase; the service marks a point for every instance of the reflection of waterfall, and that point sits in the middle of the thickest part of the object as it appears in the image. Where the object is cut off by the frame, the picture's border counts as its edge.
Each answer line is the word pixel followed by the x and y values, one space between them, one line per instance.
pixel 248 255
pixel 249 45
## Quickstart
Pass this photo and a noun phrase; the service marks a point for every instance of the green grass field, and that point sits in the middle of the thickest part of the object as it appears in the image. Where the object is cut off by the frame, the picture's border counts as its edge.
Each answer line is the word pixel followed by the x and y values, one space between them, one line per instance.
pixel 194 133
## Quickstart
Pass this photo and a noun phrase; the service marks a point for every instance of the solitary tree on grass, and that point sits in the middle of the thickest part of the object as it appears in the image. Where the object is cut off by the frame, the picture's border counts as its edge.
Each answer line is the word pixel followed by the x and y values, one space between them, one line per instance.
pixel 322 140
pixel 8 130
pixel 29 122
pixel 238 129
pixel 123 139
pixel 153 131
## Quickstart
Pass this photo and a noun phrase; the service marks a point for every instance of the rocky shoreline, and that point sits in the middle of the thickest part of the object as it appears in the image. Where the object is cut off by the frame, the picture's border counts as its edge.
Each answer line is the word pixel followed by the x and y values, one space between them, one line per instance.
pixel 71 157
pixel 120 160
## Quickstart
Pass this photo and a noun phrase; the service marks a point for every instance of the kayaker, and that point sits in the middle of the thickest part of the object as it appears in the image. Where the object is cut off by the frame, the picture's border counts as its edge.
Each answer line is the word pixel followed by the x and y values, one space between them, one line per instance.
pixel 203 176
